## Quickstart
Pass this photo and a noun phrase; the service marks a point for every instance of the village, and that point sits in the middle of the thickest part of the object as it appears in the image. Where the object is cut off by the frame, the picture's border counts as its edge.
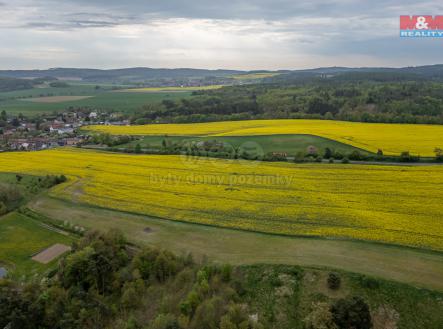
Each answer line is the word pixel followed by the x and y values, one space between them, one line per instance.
pixel 50 131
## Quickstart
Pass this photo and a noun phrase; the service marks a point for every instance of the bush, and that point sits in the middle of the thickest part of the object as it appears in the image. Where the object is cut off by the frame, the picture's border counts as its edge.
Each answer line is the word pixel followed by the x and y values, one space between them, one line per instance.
pixel 338 156
pixel 351 313
pixel 328 153
pixel 226 273
pixel 334 281
pixel 368 282
pixel 407 157
pixel 345 160
pixel 299 157
pixel 438 154
pixel 165 321
pixel 320 317
pixel 355 156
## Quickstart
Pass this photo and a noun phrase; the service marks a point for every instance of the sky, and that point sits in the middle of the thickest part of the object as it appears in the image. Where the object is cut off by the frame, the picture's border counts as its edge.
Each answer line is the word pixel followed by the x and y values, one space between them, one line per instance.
pixel 243 34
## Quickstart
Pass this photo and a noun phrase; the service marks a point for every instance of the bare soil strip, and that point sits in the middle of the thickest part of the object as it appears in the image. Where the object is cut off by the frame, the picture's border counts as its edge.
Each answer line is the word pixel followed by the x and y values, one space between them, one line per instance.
pixel 51 253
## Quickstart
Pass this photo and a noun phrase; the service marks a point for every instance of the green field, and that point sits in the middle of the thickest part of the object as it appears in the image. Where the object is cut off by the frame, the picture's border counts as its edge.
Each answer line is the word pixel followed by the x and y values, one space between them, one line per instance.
pixel 290 144
pixel 20 238
pixel 103 99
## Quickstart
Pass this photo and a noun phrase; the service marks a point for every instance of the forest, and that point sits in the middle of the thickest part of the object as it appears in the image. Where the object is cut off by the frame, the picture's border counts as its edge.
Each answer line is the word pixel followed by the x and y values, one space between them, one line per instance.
pixel 338 98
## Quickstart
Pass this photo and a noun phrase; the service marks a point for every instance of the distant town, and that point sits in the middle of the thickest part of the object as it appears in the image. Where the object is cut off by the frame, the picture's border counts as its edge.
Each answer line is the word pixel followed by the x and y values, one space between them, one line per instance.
pixel 50 131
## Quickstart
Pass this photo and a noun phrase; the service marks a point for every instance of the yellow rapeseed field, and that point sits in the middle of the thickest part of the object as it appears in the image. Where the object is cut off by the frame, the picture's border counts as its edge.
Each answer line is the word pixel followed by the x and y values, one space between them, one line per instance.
pixel 253 76
pixel 391 138
pixel 390 204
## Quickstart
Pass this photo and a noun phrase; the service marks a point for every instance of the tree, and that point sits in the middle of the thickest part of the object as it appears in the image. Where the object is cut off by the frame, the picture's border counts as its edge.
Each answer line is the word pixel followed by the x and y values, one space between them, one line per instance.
pixel 138 148
pixel 236 318
pixel 165 321
pixel 328 153
pixel 438 154
pixel 351 313
pixel 15 122
pixel 3 208
pixel 320 317
pixel 355 155
pixel 334 281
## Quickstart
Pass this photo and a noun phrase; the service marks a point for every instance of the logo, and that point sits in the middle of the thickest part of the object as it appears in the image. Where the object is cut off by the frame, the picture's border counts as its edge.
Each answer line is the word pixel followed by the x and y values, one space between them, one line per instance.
pixel 421 26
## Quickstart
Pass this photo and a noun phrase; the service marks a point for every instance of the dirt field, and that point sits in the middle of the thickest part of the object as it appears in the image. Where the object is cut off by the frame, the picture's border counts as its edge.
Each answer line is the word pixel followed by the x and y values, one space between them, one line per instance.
pixel 51 253
pixel 55 99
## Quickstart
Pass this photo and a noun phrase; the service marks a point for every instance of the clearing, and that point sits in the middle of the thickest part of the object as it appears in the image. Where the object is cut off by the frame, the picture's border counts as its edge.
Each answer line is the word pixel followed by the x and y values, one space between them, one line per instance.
pixel 20 238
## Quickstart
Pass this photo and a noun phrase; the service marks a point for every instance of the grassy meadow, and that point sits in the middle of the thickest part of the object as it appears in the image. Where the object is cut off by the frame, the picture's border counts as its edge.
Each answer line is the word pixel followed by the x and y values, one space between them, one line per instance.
pixel 46 100
pixel 386 204
pixel 391 138
pixel 20 238
pixel 290 144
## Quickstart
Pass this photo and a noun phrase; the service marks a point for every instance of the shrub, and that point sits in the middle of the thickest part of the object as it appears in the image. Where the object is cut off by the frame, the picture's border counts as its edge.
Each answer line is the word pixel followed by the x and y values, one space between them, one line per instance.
pixel 299 157
pixel 338 156
pixel 438 154
pixel 345 160
pixel 334 281
pixel 356 156
pixel 165 321
pixel 368 282
pixel 407 157
pixel 328 153
pixel 226 272
pixel 320 317
pixel 351 313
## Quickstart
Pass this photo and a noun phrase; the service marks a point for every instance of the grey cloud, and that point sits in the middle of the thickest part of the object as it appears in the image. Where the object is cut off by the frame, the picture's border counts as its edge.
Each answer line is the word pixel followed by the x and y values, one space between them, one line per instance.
pixel 212 33
pixel 254 9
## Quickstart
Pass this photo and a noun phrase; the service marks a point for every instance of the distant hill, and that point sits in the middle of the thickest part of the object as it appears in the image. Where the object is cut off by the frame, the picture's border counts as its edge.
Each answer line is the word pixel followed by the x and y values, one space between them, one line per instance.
pixel 143 74
pixel 417 73
pixel 135 74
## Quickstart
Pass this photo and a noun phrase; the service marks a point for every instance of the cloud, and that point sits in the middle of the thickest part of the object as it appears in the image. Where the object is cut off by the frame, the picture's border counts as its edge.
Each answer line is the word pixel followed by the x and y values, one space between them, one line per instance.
pixel 250 34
